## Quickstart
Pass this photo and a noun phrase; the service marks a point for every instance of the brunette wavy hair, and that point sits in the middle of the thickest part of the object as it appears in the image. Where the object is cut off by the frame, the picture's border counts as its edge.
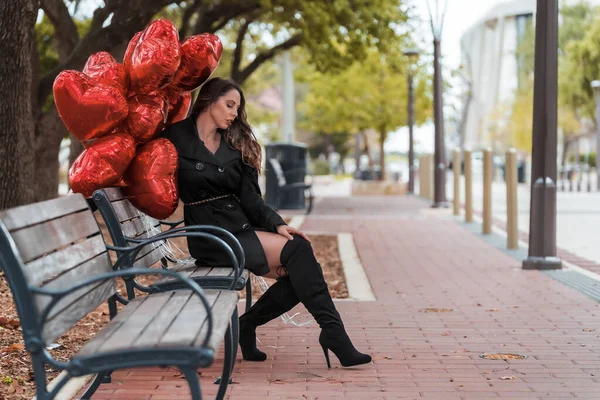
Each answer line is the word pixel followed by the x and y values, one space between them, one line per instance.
pixel 239 135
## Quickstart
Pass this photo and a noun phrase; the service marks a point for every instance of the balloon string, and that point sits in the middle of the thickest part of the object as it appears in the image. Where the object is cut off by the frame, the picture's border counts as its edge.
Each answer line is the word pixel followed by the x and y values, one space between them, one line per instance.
pixel 177 257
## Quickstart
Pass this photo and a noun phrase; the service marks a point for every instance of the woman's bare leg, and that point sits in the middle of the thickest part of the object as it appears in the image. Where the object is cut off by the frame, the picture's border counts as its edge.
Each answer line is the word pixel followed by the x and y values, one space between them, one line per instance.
pixel 279 298
pixel 272 244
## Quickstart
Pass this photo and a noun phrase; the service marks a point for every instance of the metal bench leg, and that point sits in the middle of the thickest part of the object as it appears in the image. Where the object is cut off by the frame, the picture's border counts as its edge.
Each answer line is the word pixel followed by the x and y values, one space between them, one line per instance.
pixel 310 201
pixel 248 294
pixel 235 327
pixel 101 377
pixel 227 365
pixel 194 381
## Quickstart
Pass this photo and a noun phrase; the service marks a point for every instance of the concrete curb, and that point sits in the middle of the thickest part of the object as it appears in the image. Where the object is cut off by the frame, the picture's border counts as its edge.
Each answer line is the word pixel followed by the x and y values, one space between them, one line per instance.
pixel 70 390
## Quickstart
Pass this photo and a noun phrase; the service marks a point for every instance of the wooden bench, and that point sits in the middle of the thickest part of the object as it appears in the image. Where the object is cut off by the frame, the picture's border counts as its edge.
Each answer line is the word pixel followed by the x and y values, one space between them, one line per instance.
pixel 127 226
pixel 57 265
pixel 286 188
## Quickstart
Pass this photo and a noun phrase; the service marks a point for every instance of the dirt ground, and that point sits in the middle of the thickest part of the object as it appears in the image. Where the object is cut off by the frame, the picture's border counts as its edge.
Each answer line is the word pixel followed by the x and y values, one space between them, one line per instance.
pixel 16 375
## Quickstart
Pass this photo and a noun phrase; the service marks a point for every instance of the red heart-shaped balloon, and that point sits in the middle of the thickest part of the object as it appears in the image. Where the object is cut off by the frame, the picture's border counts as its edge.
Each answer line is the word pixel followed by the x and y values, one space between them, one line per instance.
pixel 200 56
pixel 88 109
pixel 151 179
pixel 102 163
pixel 147 115
pixel 179 108
pixel 155 57
pixel 104 69
pixel 129 51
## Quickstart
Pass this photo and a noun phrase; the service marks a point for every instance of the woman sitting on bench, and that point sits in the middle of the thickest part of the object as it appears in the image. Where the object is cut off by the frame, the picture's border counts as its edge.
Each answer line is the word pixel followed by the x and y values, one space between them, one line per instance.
pixel 219 160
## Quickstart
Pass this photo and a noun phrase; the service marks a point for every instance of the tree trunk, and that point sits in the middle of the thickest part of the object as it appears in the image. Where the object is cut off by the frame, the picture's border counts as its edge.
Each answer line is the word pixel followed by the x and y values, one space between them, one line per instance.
pixel 566 145
pixel 382 135
pixel 50 131
pixel 17 22
pixel 369 156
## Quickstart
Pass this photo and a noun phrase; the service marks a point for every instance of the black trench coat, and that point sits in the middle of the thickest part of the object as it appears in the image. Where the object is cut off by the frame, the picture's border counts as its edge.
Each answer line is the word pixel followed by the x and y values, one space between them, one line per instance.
pixel 204 175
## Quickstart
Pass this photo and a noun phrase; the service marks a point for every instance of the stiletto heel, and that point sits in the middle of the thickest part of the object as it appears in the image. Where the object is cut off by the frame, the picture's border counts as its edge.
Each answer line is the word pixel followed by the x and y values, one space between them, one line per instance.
pixel 326 352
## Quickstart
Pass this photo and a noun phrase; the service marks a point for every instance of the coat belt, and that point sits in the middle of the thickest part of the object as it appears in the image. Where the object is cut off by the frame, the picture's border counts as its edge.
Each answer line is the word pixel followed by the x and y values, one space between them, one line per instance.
pixel 200 202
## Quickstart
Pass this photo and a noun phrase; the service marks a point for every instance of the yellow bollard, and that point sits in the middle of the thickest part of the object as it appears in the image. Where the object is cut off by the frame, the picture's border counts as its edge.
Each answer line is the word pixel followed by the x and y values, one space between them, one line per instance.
pixel 456 169
pixel 487 191
pixel 430 178
pixel 468 186
pixel 422 183
pixel 512 223
pixel 426 176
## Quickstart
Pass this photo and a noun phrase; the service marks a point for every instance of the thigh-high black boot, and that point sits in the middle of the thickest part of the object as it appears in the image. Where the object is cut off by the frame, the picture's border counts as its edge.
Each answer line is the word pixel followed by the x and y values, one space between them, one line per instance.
pixel 278 299
pixel 307 279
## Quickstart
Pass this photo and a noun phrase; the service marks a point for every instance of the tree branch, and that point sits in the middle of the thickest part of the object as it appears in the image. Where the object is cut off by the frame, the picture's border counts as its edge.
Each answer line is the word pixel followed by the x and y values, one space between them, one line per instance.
pixel 128 18
pixel 187 16
pixel 239 44
pixel 65 31
pixel 217 16
pixel 265 56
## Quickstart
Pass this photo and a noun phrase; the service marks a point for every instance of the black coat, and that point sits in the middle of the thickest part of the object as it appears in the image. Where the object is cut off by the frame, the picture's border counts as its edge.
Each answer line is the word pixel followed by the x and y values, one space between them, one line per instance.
pixel 204 175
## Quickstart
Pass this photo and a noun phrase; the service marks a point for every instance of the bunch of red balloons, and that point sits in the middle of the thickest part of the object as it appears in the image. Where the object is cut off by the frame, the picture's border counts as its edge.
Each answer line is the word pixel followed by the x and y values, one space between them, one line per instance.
pixel 118 110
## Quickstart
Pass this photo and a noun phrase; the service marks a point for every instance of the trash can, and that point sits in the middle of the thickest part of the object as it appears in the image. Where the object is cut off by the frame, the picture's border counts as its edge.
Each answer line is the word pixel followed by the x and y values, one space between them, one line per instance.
pixel 294 163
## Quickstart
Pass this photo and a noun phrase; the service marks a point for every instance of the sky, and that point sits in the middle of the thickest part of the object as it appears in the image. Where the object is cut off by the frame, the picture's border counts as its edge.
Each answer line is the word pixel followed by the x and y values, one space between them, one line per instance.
pixel 460 16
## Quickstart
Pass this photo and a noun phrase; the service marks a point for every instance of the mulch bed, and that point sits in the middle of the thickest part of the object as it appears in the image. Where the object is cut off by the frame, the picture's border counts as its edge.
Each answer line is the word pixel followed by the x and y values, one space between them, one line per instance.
pixel 16 374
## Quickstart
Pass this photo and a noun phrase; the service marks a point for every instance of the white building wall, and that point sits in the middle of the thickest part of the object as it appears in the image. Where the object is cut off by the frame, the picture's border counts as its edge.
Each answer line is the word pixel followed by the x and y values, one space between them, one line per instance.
pixel 490 64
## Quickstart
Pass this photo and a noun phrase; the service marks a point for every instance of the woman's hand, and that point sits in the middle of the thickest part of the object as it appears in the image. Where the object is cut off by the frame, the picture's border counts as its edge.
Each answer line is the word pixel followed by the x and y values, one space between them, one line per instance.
pixel 288 231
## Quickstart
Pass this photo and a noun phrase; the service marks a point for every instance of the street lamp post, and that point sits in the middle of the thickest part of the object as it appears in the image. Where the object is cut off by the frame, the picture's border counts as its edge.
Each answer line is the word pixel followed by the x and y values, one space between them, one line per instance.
pixel 412 55
pixel 439 158
pixel 596 88
pixel 542 222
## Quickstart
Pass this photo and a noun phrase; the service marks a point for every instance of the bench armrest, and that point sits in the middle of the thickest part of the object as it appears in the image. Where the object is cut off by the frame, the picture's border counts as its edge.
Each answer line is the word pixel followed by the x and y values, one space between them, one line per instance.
pixel 292 172
pixel 58 294
pixel 237 247
pixel 172 224
pixel 131 252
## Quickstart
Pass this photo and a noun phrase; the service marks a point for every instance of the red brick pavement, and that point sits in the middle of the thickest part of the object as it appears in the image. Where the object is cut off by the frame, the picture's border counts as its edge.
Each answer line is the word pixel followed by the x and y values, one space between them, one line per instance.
pixel 416 259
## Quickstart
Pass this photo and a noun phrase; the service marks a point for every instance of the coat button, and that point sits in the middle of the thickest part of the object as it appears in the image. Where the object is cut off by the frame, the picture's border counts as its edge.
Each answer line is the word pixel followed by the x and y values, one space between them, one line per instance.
pixel 230 207
pixel 221 169
pixel 203 193
pixel 246 226
pixel 199 166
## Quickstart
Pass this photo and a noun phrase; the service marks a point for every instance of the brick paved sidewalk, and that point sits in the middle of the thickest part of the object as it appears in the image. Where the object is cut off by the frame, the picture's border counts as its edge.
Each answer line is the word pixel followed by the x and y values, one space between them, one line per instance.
pixel 417 258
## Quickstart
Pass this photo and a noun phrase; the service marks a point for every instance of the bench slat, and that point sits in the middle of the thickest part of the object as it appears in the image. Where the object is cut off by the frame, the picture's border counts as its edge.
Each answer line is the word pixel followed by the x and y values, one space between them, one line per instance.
pixel 131 328
pixel 77 310
pixel 125 211
pixel 55 263
pixel 136 229
pixel 139 325
pixel 220 271
pixel 96 266
pixel 91 347
pixel 163 319
pixel 31 214
pixel 114 194
pixel 46 237
pixel 148 259
pixel 189 320
pixel 221 312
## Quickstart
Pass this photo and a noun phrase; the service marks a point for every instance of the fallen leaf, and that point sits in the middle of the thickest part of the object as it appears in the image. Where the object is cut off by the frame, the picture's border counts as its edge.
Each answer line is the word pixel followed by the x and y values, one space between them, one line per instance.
pixel 14 348
pixel 508 378
pixel 445 333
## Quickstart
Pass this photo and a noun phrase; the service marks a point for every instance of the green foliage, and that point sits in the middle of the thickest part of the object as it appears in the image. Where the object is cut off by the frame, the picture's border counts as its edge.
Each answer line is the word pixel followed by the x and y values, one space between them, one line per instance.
pixel 579 64
pixel 320 167
pixel 336 33
pixel 589 158
pixel 371 94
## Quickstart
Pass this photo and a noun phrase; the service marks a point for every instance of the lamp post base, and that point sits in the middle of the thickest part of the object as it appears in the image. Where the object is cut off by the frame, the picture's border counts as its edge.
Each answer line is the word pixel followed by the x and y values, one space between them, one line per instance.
pixel 542 263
